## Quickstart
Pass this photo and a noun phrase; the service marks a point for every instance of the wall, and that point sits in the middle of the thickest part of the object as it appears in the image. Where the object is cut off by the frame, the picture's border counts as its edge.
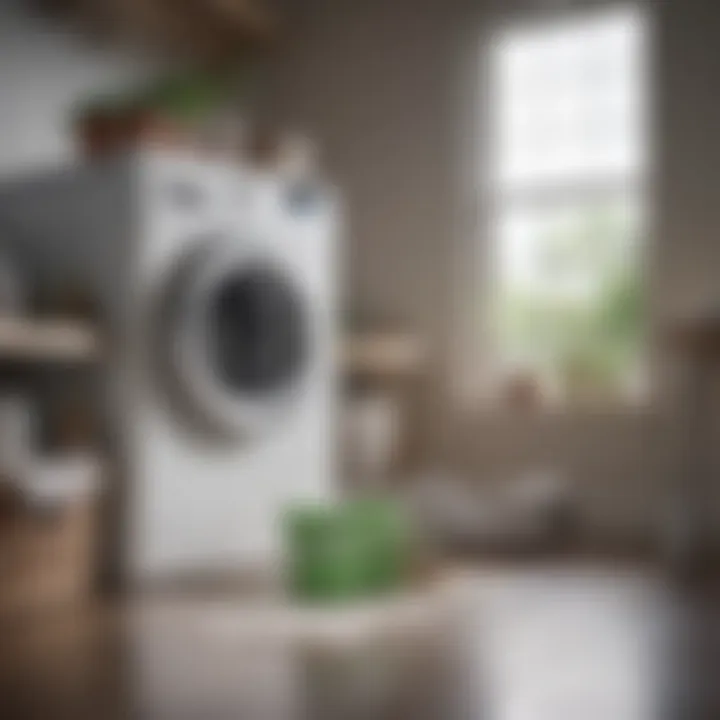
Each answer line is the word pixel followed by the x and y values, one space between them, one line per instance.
pixel 386 88
pixel 43 73
pixel 376 83
pixel 687 267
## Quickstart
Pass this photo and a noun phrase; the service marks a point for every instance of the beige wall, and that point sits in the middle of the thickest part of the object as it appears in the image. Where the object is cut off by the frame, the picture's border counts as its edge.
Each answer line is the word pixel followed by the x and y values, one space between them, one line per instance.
pixel 386 87
pixel 377 83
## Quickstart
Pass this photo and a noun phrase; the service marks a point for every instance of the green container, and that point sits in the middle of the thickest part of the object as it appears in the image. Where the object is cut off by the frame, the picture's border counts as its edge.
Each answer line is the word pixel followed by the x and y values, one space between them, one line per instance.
pixel 349 551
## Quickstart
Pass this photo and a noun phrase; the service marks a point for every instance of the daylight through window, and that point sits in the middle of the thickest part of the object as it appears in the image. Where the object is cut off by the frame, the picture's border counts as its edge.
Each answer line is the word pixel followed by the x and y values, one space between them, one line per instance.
pixel 567 184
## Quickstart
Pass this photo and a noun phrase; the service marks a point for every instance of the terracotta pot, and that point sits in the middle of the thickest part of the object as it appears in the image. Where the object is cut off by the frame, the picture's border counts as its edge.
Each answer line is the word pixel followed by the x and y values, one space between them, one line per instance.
pixel 148 127
pixel 98 133
pixel 104 133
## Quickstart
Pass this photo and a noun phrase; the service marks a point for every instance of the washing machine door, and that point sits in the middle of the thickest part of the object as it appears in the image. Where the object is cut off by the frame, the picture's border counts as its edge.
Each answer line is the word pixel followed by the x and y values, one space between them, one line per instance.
pixel 237 338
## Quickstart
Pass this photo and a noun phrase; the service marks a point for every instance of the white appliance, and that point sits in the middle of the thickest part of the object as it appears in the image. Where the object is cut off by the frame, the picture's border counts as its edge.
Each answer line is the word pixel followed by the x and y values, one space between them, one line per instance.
pixel 217 283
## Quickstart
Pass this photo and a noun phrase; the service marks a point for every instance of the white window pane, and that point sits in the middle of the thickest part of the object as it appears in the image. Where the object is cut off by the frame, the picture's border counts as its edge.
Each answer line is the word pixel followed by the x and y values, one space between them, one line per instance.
pixel 568 99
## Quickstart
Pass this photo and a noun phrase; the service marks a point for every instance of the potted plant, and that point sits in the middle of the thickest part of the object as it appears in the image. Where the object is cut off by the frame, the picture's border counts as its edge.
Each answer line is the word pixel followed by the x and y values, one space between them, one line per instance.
pixel 168 111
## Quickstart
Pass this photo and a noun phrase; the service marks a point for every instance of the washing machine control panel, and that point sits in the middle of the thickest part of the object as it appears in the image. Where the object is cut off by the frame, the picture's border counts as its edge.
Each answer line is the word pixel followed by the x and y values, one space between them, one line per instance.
pixel 190 189
pixel 303 197
pixel 188 195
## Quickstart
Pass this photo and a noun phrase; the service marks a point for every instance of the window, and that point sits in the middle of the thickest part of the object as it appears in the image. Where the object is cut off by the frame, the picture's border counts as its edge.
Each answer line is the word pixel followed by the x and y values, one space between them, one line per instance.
pixel 568 167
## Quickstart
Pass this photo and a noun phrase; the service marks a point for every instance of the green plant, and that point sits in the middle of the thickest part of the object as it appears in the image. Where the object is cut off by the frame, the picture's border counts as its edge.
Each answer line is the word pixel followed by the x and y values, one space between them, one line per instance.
pixel 591 338
pixel 188 95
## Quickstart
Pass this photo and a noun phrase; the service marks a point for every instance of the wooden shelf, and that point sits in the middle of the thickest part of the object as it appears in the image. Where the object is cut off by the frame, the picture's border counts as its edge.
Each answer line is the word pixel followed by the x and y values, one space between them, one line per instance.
pixel 31 340
pixel 382 354
pixel 200 29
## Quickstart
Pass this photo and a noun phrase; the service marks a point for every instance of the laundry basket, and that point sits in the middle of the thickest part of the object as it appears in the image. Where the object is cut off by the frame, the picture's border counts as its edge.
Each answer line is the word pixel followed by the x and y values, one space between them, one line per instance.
pixel 346 552
pixel 47 555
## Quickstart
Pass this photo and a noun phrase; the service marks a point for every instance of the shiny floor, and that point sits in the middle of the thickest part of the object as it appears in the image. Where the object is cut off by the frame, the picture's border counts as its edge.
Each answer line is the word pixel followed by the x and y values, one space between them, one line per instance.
pixel 549 642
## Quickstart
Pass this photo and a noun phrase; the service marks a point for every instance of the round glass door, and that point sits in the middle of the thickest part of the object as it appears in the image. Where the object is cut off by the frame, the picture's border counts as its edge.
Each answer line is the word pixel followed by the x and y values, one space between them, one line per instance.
pixel 256 339
pixel 234 339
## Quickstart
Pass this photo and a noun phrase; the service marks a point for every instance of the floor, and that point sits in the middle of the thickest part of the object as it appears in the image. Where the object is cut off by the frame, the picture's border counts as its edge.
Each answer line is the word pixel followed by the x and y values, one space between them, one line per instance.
pixel 540 642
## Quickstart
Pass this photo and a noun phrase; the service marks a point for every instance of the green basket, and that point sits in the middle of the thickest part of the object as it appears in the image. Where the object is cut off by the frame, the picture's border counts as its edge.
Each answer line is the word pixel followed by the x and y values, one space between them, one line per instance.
pixel 350 551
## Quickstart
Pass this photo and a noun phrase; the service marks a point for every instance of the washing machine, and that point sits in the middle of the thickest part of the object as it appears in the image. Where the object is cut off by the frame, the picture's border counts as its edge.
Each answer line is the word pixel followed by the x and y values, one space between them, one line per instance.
pixel 217 295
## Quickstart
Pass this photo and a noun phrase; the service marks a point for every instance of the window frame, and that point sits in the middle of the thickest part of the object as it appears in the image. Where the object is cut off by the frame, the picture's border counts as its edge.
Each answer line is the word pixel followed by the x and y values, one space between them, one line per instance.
pixel 492 197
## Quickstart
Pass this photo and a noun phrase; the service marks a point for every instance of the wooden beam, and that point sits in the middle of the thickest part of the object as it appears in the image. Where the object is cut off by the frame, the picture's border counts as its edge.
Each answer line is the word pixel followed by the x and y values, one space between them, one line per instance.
pixel 201 29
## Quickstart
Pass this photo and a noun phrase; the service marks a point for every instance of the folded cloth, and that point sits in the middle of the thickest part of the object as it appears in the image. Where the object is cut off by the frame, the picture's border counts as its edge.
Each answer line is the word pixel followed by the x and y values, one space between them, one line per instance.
pixel 54 482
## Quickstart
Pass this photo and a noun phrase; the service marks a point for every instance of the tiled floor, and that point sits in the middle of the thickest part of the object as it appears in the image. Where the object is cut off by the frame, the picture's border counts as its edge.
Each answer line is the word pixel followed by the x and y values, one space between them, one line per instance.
pixel 550 642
